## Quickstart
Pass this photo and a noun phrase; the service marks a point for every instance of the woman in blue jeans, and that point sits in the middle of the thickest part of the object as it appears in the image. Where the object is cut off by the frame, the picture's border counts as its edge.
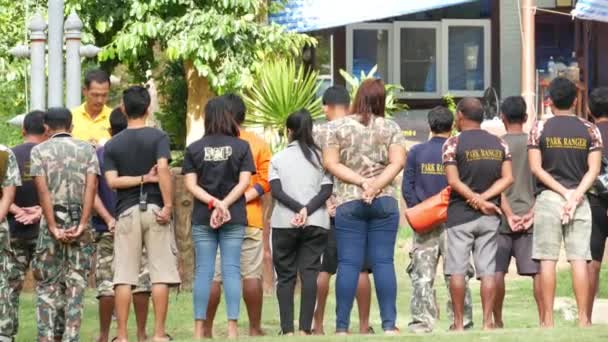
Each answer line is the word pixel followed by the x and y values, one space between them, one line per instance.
pixel 217 171
pixel 365 152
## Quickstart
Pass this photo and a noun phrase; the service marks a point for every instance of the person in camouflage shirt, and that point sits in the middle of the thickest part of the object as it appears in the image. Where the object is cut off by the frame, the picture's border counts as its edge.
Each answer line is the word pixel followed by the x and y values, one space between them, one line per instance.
pixel 10 180
pixel 23 221
pixel 65 171
pixel 365 152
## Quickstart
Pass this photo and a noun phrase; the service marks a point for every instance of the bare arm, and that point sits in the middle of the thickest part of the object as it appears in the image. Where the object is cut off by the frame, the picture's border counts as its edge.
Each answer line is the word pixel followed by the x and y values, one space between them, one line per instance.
pixel 15 209
pixel 8 196
pixel 502 184
pixel 238 191
pixel 126 182
pixel 101 210
pixel 190 181
pixel 453 176
pixel 535 159
pixel 331 162
pixel 90 191
pixel 594 161
pixel 165 182
pixel 505 205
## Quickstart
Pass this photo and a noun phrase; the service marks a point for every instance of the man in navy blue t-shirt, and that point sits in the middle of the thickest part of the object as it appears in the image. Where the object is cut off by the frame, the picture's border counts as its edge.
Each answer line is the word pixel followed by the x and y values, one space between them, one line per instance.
pixel 424 177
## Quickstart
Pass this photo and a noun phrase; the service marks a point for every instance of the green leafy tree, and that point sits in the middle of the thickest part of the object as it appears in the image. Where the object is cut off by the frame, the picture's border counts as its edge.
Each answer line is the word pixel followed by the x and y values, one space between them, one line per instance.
pixel 222 44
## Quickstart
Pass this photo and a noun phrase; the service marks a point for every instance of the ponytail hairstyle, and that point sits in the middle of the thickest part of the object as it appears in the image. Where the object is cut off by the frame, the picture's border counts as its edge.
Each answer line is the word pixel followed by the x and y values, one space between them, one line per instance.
pixel 300 125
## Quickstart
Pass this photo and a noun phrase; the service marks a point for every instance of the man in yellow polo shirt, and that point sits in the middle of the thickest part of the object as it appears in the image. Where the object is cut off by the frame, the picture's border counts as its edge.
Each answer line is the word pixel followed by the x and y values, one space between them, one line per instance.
pixel 91 120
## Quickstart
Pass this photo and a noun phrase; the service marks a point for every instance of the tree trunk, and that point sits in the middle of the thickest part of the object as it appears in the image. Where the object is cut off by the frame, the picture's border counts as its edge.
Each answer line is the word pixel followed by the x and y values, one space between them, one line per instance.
pixel 199 93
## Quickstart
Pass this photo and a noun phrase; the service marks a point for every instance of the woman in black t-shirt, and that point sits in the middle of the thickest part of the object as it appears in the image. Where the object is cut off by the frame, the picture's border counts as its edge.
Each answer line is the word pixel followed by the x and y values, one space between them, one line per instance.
pixel 217 171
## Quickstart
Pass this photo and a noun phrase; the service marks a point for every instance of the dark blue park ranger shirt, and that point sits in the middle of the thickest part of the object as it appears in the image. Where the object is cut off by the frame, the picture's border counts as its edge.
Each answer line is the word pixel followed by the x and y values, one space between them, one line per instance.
pixel 424 174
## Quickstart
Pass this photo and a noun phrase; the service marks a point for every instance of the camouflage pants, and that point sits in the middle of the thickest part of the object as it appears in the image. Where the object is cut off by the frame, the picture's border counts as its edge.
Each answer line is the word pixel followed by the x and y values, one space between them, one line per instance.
pixel 61 271
pixel 422 269
pixel 5 306
pixel 19 259
pixel 104 271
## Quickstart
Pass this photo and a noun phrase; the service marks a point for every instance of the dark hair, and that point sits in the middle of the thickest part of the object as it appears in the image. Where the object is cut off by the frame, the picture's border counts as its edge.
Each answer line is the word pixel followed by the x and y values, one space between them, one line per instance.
pixel 118 121
pixel 218 120
pixel 136 100
pixel 300 124
pixel 97 76
pixel 57 118
pixel 514 109
pixel 441 120
pixel 598 103
pixel 370 100
pixel 236 107
pixel 471 109
pixel 562 93
pixel 336 96
pixel 33 123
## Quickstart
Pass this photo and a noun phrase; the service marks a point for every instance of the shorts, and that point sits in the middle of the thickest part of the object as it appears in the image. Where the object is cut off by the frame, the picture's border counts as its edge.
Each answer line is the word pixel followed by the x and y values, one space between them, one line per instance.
pixel 329 259
pixel 599 227
pixel 104 272
pixel 477 236
pixel 549 231
pixel 134 231
pixel 518 246
pixel 252 256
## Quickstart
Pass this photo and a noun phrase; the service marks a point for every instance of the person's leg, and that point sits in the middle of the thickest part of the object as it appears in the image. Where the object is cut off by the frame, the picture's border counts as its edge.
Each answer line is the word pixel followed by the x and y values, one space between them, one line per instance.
pixel 351 237
pixel 503 259
pixel 329 265
pixel 159 240
pixel 364 301
pixel 381 239
pixel 79 257
pixel 484 255
pixel 526 266
pixel 460 241
pixel 141 298
pixel 593 269
pixel 578 251
pixel 599 234
pixel 48 270
pixel 322 293
pixel 422 269
pixel 313 241
pixel 252 267
pixel 469 274
pixel 104 249
pixel 127 249
pixel 231 242
pixel 17 259
pixel 547 281
pixel 538 295
pixel 141 304
pixel 214 297
pixel 547 239
pixel 284 257
pixel 205 240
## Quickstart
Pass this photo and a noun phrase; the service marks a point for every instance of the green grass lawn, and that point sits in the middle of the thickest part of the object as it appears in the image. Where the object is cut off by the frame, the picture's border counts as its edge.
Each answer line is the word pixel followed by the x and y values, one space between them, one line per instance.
pixel 520 316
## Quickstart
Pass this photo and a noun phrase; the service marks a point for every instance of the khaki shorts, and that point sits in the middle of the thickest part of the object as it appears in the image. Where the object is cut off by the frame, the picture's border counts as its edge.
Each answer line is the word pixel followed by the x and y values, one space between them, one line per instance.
pixel 252 256
pixel 104 270
pixel 136 230
pixel 549 231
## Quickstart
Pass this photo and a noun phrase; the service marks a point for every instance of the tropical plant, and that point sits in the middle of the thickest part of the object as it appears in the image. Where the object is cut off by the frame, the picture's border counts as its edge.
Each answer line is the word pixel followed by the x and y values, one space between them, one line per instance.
pixel 450 103
pixel 282 88
pixel 393 106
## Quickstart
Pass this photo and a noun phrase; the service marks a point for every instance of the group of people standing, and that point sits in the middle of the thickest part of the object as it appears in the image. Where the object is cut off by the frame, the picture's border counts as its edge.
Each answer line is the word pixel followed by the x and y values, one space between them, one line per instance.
pixel 67 196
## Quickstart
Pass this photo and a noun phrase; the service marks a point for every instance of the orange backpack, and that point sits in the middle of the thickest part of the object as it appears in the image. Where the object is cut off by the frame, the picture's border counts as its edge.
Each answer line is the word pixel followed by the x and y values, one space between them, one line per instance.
pixel 430 213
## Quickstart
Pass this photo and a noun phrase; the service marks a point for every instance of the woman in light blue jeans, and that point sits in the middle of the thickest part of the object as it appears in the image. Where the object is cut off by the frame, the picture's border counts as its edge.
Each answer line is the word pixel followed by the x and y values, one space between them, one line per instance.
pixel 217 171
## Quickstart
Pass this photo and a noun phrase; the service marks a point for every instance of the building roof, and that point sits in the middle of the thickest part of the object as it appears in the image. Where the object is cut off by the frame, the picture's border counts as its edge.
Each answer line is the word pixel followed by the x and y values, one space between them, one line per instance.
pixel 312 15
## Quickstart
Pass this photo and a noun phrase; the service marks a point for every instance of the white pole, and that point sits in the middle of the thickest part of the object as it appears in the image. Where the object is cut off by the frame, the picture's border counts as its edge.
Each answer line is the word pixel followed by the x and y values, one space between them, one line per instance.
pixel 55 42
pixel 38 65
pixel 73 29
